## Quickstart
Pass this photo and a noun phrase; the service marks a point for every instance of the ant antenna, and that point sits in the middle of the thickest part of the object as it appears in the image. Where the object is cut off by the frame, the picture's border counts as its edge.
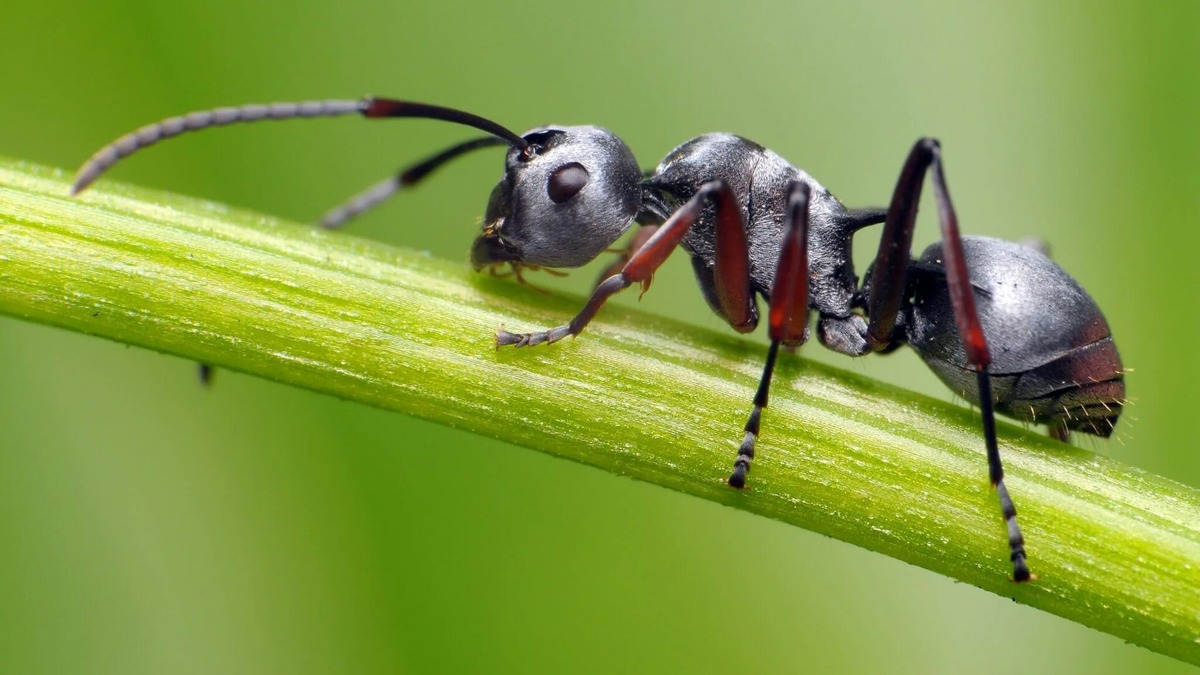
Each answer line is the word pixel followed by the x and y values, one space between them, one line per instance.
pixel 369 107
pixel 407 177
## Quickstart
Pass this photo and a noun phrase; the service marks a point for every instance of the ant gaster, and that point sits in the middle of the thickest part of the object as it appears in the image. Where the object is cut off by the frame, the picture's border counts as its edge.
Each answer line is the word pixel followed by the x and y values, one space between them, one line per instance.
pixel 755 225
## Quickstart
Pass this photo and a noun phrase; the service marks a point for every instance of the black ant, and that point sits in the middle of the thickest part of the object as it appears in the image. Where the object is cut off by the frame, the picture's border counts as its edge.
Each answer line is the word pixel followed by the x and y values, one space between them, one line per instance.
pixel 756 225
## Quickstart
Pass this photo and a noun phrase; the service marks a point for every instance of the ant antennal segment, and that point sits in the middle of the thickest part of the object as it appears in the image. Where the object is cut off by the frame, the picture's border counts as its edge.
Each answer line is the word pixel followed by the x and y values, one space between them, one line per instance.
pixel 407 177
pixel 369 107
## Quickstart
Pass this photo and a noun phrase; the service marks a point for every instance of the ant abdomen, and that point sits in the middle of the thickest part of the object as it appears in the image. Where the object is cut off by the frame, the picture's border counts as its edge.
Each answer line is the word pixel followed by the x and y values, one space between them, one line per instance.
pixel 1054 361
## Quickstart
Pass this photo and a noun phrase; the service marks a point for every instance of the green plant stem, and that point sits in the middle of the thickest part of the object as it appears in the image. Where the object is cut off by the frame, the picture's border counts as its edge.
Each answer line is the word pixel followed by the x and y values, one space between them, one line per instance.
pixel 1114 548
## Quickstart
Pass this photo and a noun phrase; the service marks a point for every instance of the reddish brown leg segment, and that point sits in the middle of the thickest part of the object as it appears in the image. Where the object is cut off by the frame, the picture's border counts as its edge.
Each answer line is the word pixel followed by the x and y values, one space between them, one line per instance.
pixel 888 286
pixel 787 317
pixel 731 267
pixel 640 268
pixel 636 242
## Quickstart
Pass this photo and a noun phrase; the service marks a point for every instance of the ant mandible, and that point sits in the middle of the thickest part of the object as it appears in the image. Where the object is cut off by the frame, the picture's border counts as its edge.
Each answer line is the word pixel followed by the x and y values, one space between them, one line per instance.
pixel 756 225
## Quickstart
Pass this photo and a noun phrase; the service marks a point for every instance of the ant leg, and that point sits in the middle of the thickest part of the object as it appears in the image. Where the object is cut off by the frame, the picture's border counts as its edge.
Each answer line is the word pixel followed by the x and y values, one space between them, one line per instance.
pixel 888 286
pixel 636 242
pixel 643 263
pixel 787 317
pixel 407 177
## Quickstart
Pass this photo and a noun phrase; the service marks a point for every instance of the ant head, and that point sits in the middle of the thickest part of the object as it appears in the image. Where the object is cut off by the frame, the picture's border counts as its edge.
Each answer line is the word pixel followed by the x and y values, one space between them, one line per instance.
pixel 565 198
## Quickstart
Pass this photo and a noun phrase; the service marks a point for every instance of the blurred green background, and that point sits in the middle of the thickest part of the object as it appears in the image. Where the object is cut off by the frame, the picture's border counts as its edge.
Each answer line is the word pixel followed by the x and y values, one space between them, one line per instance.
pixel 148 525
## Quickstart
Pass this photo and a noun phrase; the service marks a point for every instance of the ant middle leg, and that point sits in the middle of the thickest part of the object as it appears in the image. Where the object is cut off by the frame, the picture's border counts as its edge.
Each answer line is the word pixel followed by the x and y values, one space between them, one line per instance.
pixel 787 316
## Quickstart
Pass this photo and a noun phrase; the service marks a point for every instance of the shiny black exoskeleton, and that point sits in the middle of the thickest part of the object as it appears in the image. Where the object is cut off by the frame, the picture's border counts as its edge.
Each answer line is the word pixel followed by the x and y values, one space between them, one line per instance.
pixel 999 323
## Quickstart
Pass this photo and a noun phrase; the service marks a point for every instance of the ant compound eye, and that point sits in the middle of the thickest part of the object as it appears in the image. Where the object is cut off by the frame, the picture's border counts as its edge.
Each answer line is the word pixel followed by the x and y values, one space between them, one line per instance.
pixel 566 181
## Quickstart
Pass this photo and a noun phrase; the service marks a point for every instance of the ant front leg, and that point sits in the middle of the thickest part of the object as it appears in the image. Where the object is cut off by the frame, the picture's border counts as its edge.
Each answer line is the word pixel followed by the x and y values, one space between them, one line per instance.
pixel 888 290
pixel 646 260
pixel 787 317
pixel 636 242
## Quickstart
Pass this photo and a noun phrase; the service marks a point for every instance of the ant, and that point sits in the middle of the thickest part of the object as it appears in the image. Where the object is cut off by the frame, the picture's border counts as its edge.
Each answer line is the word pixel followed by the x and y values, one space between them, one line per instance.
pixel 755 225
